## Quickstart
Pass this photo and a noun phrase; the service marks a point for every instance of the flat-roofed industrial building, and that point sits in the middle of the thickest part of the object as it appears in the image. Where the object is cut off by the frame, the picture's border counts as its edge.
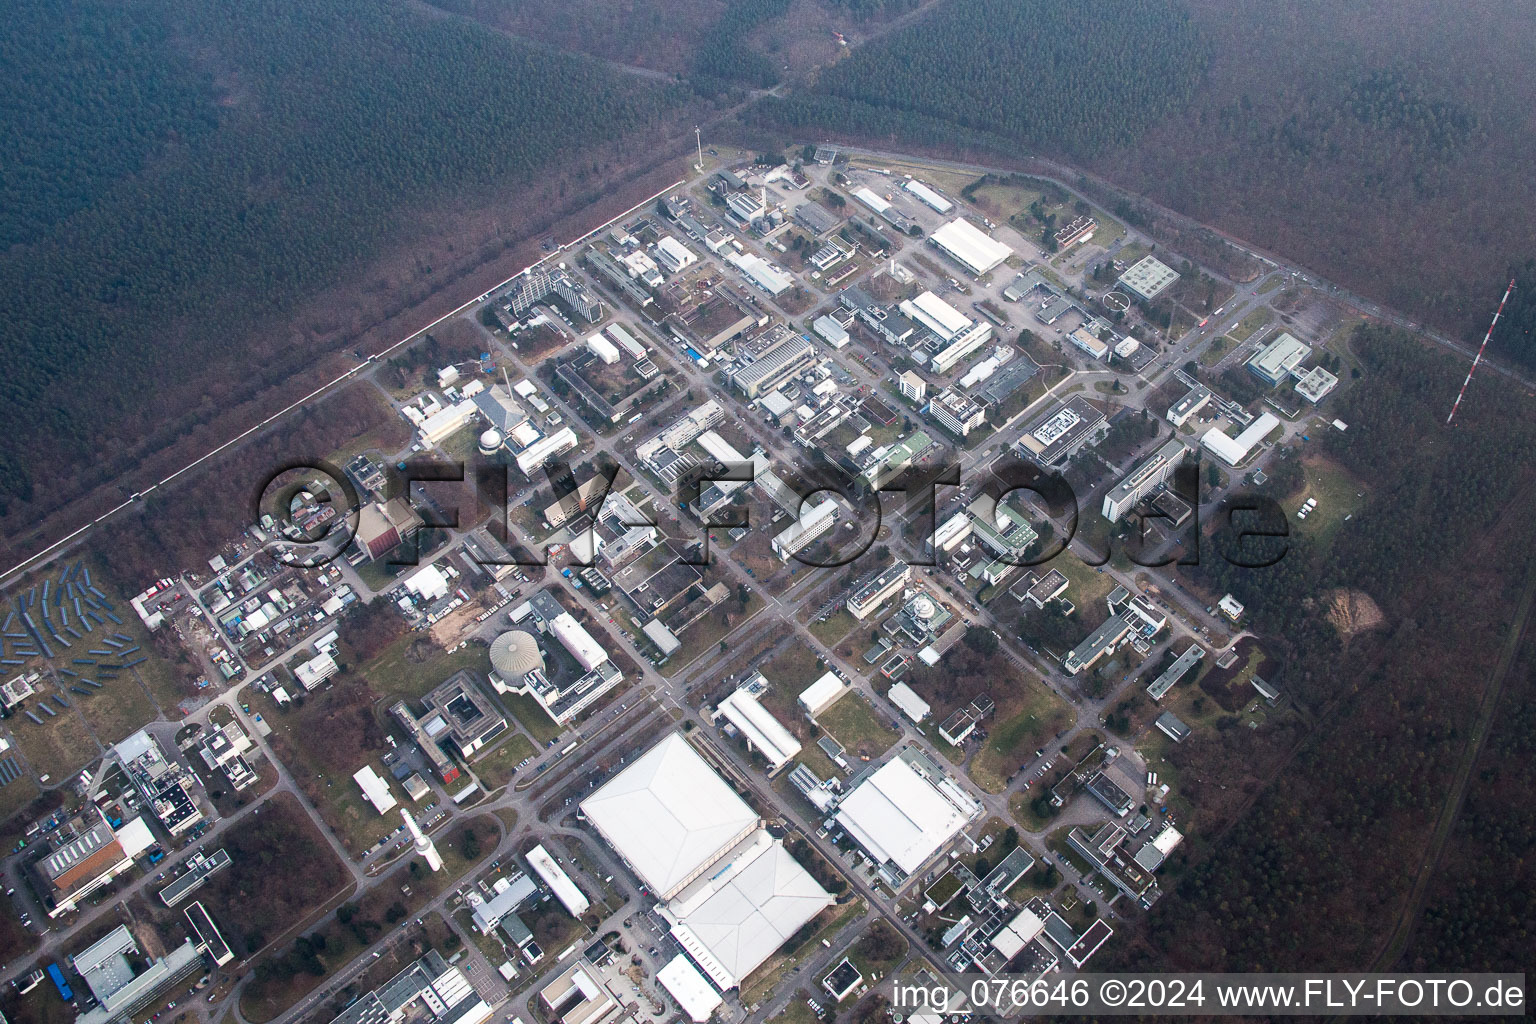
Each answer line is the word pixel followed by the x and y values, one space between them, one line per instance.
pixel 1060 433
pixel 1148 278
pixel 970 247
pixel 1274 362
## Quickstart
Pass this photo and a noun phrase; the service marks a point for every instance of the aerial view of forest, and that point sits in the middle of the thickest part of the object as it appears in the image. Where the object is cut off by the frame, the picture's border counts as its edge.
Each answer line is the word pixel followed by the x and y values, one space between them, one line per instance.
pixel 250 156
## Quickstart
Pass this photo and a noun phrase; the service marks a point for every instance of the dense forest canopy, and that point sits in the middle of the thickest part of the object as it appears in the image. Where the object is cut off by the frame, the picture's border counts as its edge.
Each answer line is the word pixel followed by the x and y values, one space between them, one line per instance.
pixel 103 91
pixel 1514 337
pixel 265 149
pixel 1069 77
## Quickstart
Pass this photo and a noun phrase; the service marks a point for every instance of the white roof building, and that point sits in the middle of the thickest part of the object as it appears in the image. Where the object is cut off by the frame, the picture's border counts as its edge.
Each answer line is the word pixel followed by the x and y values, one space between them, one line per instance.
pixel 902 818
pixel 937 315
pixel 135 837
pixel 1233 450
pixel 871 200
pixel 669 816
pixel 375 789
pixel 732 921
pixel 545 448
pixel 604 349
pixel 762 731
pixel 554 876
pixel 822 694
pixel 908 702
pixel 315 671
pixel 427 583
pixel 830 331
pixel 970 247
pixel 1018 933
pixel 674 255
pixel 929 196
pixel 761 273
pixel 626 341
pixel 1148 278
pixel 441 424
pixel 693 992
pixel 573 636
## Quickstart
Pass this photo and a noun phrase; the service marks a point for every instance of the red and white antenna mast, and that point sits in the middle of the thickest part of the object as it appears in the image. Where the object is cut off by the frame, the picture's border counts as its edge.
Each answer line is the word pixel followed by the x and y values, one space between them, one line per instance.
pixel 1479 357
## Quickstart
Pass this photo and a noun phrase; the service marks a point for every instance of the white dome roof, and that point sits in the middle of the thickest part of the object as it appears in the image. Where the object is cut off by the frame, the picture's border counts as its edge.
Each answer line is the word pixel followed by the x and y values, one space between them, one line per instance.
pixel 923 607
pixel 515 653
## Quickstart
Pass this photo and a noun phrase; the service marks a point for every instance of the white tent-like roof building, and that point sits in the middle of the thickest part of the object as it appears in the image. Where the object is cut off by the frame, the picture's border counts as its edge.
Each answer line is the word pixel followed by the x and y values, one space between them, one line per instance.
pixel 669 816
pixel 729 923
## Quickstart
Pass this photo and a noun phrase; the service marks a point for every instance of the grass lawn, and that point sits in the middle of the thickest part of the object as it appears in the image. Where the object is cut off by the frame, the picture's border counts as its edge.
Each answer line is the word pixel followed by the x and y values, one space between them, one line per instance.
pixel 1337 493
pixel 17 795
pixel 789 673
pixel 1014 740
pixel 796 1012
pixel 58 747
pixel 854 724
pixel 1216 351
pixel 1022 806
pixel 380 575
pixel 496 767
pixel 1086 587
pixel 834 627
pixel 412 665
pixel 1109 230
pixel 531 715
pixel 1252 322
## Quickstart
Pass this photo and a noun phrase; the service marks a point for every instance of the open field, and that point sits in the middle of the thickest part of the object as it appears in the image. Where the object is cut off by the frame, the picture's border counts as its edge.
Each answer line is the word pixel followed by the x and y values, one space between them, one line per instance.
pixel 411 666
pixel 17 795
pixel 1338 495
pixel 1013 740
pixel 344 714
pixel 283 978
pixel 857 726
pixel 497 767
pixel 121 707
pixel 57 748
pixel 1250 323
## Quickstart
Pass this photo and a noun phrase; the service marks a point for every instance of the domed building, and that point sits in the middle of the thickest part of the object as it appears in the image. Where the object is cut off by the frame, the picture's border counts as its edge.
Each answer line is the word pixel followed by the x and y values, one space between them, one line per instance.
pixel 491 441
pixel 514 654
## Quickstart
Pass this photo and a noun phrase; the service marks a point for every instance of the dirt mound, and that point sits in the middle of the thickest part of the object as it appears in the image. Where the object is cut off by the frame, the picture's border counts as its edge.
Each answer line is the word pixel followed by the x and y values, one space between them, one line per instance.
pixel 1353 611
